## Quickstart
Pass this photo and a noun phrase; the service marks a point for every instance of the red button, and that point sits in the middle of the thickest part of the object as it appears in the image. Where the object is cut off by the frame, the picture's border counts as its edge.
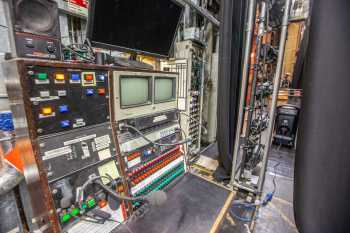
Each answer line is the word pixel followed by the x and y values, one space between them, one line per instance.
pixel 102 203
pixel 101 91
pixel 88 77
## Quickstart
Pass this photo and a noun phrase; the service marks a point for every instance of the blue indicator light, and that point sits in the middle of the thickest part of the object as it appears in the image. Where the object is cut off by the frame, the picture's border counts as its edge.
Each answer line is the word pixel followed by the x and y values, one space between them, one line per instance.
pixel 90 92
pixel 65 124
pixel 101 77
pixel 147 153
pixel 63 109
pixel 75 77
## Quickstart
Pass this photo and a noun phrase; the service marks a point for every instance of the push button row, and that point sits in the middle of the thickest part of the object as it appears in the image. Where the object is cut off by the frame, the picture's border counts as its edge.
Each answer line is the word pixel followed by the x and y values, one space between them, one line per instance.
pixel 46 111
pixel 91 91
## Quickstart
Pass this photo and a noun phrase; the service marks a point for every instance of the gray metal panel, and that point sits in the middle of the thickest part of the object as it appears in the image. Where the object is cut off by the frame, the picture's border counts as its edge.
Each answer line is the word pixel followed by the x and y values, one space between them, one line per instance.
pixel 2 14
pixel 8 207
pixel 64 29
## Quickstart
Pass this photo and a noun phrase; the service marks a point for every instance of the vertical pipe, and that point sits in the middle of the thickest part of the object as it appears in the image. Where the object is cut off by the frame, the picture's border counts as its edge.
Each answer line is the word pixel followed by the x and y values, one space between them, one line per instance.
pixel 245 77
pixel 259 38
pixel 282 45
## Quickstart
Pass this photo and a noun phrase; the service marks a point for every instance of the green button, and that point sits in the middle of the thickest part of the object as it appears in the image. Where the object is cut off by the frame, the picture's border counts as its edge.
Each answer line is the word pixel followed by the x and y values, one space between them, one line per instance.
pixel 65 218
pixel 75 212
pixel 42 76
pixel 91 203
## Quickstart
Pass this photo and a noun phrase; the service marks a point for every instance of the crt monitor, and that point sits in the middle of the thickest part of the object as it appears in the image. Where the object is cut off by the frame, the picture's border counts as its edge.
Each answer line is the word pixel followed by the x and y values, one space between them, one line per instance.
pixel 164 89
pixel 141 93
pixel 141 26
pixel 135 91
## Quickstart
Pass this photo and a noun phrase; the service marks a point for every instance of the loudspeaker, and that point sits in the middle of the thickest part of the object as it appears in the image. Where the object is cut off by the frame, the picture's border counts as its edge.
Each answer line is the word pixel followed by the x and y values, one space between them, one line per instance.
pixel 35 29
pixel 286 126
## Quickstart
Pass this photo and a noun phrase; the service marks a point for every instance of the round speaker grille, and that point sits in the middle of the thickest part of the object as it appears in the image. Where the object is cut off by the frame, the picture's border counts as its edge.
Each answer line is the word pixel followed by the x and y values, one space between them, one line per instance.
pixel 36 16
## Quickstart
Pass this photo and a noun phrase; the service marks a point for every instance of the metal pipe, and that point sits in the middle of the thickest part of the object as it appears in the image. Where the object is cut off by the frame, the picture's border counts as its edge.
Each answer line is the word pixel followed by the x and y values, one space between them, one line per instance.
pixel 206 14
pixel 244 187
pixel 259 38
pixel 279 68
pixel 245 77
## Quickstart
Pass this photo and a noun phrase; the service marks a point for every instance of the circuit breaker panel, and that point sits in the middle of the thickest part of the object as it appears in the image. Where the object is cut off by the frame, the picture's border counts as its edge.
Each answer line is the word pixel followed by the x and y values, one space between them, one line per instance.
pixel 62 119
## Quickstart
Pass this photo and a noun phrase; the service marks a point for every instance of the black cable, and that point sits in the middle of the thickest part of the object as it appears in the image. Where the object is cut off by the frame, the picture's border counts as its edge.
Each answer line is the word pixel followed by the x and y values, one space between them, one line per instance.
pixel 274 178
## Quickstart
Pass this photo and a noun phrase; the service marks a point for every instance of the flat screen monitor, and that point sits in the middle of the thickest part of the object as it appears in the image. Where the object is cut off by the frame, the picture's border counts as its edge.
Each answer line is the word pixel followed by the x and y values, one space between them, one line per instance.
pixel 142 26
pixel 164 89
pixel 135 91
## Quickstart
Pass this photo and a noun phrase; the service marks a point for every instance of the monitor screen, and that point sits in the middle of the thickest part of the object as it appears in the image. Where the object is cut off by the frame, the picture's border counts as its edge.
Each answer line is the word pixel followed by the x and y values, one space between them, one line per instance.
pixel 143 26
pixel 164 89
pixel 135 91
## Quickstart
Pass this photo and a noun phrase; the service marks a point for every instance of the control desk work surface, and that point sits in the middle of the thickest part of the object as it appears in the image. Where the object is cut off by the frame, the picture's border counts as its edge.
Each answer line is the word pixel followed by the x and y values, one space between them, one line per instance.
pixel 193 205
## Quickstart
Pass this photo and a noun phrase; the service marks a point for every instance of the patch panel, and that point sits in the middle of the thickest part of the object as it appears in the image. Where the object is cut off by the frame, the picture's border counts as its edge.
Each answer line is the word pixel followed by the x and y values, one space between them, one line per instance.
pixel 145 154
pixel 154 168
pixel 144 166
pixel 154 164
pixel 162 181
pixel 155 175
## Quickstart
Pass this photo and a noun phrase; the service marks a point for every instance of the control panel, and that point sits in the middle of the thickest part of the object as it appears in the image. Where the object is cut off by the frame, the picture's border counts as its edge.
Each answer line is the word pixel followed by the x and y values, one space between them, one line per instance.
pixel 67 113
pixel 66 153
pixel 64 99
pixel 35 46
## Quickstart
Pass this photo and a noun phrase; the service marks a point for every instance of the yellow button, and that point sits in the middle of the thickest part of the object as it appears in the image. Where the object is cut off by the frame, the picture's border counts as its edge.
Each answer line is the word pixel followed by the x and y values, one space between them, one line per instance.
pixel 59 77
pixel 46 110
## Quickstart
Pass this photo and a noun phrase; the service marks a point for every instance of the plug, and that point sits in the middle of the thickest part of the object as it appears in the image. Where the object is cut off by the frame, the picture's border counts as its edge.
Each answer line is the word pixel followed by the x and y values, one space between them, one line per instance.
pixel 268 198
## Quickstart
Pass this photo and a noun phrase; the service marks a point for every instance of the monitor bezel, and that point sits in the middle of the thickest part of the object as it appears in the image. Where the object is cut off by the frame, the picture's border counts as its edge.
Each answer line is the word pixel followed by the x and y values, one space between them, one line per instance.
pixel 173 89
pixel 97 44
pixel 150 91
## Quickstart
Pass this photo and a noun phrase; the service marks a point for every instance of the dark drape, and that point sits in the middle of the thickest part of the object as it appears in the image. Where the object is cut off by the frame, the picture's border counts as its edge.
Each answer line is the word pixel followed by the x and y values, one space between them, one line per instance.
pixel 322 173
pixel 233 15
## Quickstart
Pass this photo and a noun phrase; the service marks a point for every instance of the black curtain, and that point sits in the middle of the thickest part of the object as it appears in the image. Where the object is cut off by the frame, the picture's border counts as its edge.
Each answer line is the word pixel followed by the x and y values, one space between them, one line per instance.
pixel 233 14
pixel 322 166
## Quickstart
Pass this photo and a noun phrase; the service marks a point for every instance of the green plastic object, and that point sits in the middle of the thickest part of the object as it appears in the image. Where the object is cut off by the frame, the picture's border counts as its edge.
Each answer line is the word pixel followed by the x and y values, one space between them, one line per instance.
pixel 75 212
pixel 91 203
pixel 42 76
pixel 65 218
pixel 84 206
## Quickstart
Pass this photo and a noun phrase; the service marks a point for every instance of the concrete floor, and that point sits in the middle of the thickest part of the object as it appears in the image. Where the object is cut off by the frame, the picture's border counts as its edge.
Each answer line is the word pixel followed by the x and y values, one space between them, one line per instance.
pixel 277 217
